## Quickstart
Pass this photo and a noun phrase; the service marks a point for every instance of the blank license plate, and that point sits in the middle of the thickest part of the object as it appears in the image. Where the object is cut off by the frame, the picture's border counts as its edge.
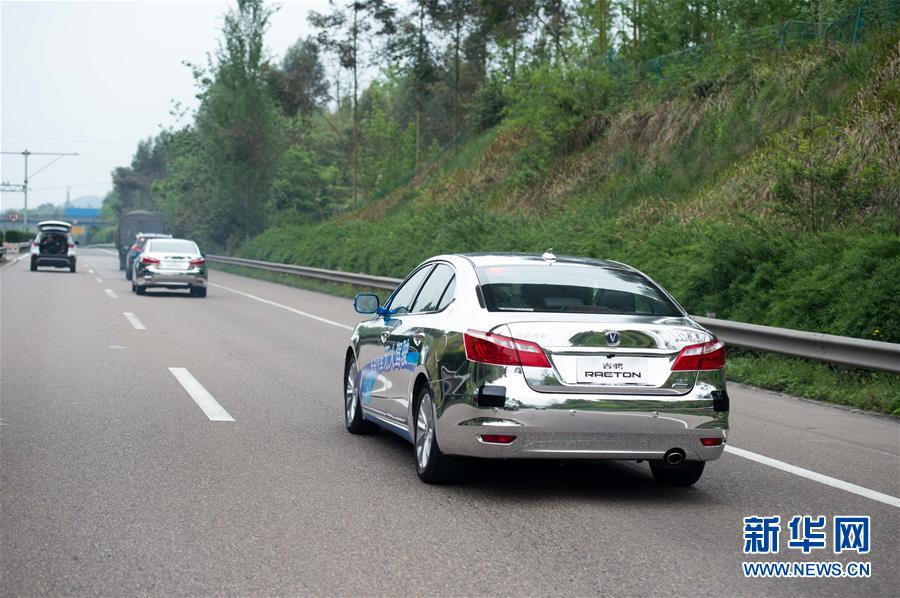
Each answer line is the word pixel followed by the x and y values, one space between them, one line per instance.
pixel 613 371
pixel 175 265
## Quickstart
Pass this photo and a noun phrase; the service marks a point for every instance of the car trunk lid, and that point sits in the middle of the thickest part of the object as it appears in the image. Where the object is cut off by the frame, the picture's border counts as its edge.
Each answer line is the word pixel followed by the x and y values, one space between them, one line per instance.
pixel 173 261
pixel 630 354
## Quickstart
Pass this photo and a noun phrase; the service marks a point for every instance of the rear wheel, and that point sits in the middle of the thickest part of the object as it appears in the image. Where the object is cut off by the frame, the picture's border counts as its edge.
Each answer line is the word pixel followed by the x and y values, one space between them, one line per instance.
pixel 72 266
pixel 353 418
pixel 198 292
pixel 684 474
pixel 139 290
pixel 33 265
pixel 433 466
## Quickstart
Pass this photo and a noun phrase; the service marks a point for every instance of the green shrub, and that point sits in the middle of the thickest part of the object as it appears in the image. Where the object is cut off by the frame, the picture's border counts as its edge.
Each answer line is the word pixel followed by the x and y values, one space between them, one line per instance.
pixel 802 378
pixel 18 236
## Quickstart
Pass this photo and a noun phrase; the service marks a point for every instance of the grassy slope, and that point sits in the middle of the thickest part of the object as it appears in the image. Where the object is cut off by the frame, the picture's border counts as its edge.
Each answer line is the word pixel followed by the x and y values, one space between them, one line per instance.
pixel 683 183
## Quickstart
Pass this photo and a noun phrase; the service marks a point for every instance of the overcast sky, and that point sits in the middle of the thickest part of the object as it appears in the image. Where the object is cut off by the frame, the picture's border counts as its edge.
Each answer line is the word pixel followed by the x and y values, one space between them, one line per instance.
pixel 96 77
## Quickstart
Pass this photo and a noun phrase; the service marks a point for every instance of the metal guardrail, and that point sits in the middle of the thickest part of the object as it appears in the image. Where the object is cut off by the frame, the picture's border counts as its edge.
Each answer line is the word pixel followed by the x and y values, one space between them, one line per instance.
pixel 4 250
pixel 837 350
pixel 363 280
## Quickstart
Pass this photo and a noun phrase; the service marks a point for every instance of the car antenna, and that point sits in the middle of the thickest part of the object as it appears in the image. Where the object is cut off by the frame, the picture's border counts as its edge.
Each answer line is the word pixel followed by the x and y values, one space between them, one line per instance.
pixel 549 257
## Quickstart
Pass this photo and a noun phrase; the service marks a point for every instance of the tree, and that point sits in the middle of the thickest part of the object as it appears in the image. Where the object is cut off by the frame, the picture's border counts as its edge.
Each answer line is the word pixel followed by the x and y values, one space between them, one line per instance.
pixel 238 125
pixel 412 47
pixel 599 15
pixel 507 21
pixel 342 32
pixel 451 17
pixel 132 185
pixel 299 86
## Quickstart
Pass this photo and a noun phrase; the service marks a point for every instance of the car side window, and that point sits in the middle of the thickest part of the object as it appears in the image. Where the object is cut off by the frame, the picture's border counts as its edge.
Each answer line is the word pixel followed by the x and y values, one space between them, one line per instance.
pixel 447 297
pixel 401 302
pixel 430 295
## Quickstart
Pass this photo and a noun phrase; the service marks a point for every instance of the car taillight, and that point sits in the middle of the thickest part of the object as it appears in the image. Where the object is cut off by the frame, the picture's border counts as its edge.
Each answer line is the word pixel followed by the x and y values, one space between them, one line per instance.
pixel 485 347
pixel 197 261
pixel 149 260
pixel 135 247
pixel 497 438
pixel 71 245
pixel 706 356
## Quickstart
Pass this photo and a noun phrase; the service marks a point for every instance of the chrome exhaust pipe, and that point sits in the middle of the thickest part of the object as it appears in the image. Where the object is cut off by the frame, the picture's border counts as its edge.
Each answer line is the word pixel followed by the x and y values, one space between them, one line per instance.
pixel 674 456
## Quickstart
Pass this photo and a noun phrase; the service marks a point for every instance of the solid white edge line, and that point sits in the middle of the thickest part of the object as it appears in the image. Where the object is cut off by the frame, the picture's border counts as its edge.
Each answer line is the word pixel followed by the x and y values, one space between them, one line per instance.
pixel 290 309
pixel 12 263
pixel 100 280
pixel 201 396
pixel 111 293
pixel 134 320
pixel 816 477
pixel 109 251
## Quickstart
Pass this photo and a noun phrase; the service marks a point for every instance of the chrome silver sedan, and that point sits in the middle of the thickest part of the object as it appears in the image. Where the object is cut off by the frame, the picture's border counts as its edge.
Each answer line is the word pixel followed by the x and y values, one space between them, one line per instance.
pixel 532 356
pixel 170 264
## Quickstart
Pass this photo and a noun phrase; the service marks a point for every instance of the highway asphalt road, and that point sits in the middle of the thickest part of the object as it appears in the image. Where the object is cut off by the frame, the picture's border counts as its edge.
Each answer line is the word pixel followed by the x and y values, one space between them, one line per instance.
pixel 116 482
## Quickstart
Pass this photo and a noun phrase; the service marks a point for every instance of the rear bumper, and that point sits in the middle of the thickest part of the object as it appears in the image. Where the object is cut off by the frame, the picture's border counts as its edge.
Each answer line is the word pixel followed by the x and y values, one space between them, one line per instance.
pixel 171 279
pixel 58 261
pixel 587 426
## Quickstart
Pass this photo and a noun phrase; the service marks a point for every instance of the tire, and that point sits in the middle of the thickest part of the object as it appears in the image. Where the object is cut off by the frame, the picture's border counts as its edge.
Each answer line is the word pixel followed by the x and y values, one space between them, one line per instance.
pixel 139 290
pixel 433 466
pixel 128 274
pixel 353 418
pixel 72 266
pixel 685 474
pixel 33 265
pixel 198 292
pixel 121 262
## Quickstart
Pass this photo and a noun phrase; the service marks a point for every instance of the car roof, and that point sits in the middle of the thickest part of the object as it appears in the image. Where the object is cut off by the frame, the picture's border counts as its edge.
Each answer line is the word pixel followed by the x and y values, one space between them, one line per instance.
pixel 153 235
pixel 480 260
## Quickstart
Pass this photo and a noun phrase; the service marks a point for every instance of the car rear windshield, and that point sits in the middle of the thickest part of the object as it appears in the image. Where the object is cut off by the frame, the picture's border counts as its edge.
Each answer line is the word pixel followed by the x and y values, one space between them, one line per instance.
pixel 171 246
pixel 573 288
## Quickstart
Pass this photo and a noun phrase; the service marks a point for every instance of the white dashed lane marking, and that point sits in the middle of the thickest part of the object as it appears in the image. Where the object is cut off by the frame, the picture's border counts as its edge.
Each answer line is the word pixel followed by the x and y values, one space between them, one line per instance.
pixel 201 396
pixel 134 320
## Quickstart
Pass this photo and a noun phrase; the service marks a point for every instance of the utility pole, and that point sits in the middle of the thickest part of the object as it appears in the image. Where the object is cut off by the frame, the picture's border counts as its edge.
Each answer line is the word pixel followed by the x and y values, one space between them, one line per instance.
pixel 25 154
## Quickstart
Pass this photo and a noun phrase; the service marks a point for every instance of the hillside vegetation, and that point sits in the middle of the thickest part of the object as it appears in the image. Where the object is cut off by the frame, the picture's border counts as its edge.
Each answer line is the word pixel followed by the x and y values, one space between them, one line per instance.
pixel 763 190
pixel 743 154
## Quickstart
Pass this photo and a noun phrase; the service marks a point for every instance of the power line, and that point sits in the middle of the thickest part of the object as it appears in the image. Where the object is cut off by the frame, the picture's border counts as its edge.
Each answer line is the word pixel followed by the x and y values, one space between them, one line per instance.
pixel 25 153
pixel 57 188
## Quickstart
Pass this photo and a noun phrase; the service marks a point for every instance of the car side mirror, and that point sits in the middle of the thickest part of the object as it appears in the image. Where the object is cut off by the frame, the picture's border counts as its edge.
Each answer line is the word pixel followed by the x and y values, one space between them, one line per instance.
pixel 366 303
pixel 78 242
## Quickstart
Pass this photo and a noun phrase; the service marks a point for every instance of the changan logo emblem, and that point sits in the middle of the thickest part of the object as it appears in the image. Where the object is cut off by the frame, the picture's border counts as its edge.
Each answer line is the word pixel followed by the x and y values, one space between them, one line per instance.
pixel 612 338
